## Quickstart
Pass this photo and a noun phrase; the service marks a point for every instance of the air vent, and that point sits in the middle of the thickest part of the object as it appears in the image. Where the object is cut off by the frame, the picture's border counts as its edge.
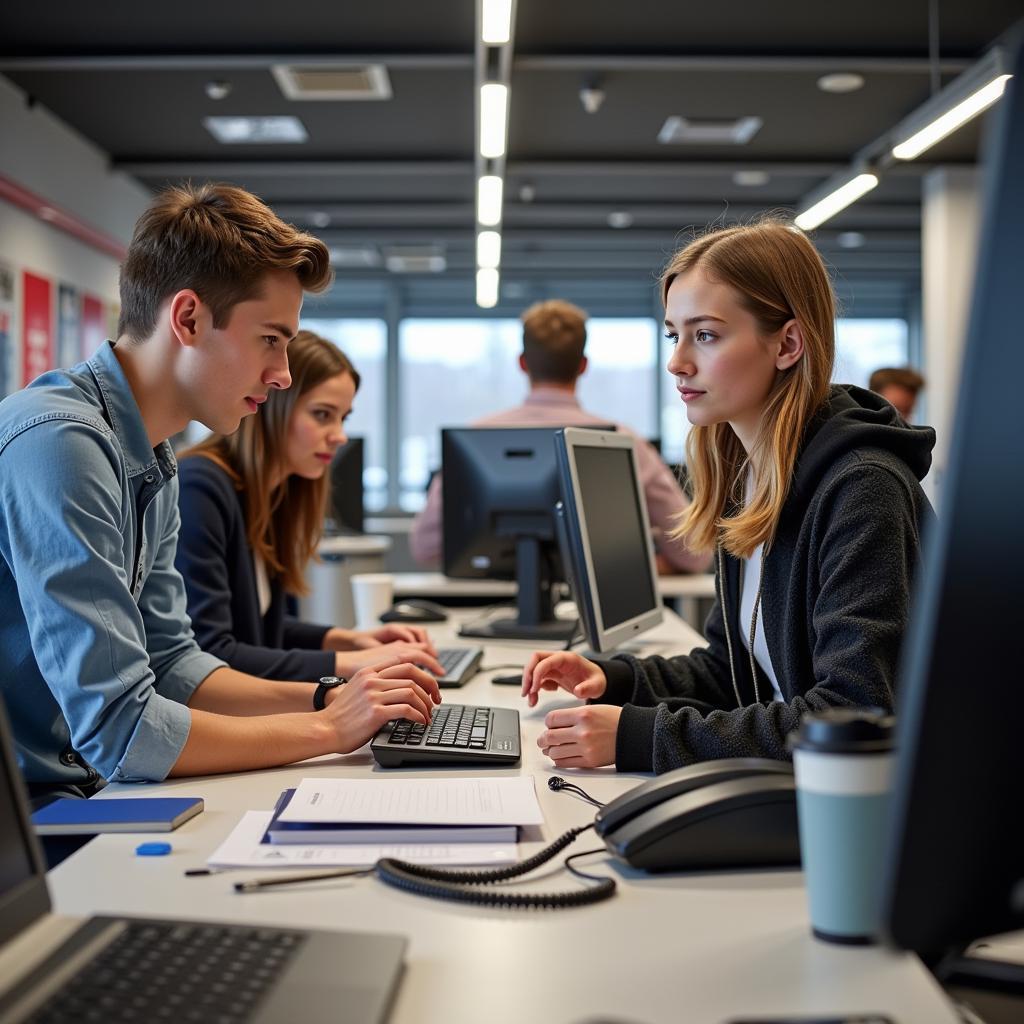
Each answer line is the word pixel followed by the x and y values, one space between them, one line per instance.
pixel 333 81
pixel 355 258
pixel 688 131
pixel 415 259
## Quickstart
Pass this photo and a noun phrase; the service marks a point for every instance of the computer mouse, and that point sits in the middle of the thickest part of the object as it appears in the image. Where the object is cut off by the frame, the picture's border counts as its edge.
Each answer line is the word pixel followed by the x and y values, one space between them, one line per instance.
pixel 414 610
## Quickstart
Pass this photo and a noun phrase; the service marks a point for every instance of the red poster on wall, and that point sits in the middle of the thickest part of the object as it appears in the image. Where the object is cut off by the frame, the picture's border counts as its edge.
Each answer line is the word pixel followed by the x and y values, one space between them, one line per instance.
pixel 93 325
pixel 37 327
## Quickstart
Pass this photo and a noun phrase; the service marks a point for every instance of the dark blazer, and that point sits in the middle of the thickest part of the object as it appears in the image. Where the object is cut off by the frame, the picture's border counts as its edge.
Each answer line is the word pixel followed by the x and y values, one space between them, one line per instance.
pixel 215 560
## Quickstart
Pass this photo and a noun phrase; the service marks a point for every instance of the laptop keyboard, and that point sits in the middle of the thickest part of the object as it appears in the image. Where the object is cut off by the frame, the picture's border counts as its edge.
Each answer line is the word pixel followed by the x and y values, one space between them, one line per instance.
pixel 171 971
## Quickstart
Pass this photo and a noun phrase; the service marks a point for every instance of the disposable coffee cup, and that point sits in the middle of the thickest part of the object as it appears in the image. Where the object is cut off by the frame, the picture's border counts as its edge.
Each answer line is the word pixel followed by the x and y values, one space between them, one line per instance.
pixel 372 593
pixel 843 760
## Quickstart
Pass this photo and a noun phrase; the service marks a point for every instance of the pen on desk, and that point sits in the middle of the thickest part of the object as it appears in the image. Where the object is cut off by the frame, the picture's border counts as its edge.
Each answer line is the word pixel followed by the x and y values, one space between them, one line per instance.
pixel 266 883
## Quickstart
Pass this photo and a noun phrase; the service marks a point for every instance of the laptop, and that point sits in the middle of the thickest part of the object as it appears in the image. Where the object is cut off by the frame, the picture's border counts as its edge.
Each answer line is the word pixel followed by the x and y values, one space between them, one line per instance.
pixel 153 969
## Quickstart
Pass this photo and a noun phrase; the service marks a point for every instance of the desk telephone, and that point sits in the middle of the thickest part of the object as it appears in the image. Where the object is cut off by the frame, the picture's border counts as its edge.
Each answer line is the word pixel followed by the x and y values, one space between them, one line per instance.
pixel 734 813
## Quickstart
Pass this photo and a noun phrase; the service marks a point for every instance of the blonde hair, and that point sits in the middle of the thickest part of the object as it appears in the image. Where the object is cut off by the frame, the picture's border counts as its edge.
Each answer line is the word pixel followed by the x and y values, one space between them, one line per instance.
pixel 778 276
pixel 283 523
pixel 554 335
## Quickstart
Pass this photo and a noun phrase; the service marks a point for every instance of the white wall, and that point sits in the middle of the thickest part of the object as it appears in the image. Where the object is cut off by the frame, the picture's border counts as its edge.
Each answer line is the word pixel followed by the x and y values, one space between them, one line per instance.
pixel 950 224
pixel 48 158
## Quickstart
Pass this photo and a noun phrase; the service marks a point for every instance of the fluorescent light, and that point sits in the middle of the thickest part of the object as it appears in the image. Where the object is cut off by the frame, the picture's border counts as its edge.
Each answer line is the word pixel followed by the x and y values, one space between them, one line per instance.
pixel 496 23
pixel 493 119
pixel 836 200
pixel 488 249
pixel 487 287
pixel 233 130
pixel 488 200
pixel 947 123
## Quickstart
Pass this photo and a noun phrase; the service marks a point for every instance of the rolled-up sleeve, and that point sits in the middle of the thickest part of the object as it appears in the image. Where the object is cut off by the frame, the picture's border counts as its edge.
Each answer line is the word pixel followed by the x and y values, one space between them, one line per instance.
pixel 68 548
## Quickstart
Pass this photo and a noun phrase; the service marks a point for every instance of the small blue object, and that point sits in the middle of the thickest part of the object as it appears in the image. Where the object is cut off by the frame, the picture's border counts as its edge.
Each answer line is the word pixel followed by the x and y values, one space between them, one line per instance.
pixel 152 849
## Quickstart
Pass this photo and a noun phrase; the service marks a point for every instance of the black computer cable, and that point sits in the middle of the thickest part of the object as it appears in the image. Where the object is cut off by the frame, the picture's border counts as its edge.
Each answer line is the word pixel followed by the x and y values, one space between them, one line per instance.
pixel 558 784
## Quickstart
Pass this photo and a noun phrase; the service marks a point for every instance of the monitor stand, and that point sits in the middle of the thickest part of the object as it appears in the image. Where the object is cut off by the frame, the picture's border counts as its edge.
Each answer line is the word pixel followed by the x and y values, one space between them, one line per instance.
pixel 535 618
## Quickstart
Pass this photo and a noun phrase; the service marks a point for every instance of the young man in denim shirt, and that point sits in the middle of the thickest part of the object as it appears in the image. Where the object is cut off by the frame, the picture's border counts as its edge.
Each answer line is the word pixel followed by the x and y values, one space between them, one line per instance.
pixel 100 673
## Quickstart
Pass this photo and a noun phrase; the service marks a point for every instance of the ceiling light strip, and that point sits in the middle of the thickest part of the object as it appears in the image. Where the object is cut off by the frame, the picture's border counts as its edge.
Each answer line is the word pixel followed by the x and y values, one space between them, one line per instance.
pixel 836 199
pixel 495 20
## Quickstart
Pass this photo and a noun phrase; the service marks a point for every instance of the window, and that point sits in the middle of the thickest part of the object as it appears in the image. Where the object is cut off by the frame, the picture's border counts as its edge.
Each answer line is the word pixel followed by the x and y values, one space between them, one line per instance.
pixel 456 371
pixel 365 343
pixel 864 345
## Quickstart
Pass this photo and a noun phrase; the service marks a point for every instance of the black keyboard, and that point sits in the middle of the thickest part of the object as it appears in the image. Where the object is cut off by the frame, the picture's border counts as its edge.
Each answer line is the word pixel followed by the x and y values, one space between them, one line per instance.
pixel 457 734
pixel 459 664
pixel 171 971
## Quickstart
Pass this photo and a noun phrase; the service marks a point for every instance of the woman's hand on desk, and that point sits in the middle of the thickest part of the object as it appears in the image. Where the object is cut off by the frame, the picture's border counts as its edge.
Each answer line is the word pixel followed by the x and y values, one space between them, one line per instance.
pixel 565 670
pixel 581 737
pixel 378 694
pixel 338 639
pixel 348 663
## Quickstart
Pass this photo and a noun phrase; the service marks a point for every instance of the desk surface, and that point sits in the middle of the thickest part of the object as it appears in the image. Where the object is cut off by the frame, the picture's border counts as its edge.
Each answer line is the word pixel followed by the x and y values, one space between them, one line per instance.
pixel 435 584
pixel 696 948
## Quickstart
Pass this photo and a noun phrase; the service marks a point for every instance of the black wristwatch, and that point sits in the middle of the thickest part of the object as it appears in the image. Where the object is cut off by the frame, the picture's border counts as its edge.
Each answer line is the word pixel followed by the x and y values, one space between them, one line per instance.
pixel 320 693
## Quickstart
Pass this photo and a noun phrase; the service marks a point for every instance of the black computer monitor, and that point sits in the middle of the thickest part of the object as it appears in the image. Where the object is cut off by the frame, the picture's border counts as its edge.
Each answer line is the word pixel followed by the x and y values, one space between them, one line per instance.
pixel 500 491
pixel 345 508
pixel 955 863
pixel 606 543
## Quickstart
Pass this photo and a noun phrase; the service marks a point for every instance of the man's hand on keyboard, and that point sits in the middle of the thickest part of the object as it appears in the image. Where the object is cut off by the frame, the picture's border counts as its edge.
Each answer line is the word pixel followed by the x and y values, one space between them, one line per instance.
pixel 378 694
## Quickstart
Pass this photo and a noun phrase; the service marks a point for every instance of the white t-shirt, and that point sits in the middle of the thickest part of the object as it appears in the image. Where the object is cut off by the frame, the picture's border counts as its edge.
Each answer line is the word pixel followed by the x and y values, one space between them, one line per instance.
pixel 262 583
pixel 751 581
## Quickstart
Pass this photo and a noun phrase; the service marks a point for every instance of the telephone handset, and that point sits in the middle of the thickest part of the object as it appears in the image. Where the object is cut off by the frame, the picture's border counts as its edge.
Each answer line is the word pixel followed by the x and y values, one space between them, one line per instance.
pixel 731 813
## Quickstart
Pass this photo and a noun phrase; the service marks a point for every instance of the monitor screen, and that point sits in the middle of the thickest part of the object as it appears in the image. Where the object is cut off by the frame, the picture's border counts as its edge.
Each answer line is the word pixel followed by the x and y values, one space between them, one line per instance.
pixel 500 491
pixel 607 542
pixel 955 864
pixel 345 511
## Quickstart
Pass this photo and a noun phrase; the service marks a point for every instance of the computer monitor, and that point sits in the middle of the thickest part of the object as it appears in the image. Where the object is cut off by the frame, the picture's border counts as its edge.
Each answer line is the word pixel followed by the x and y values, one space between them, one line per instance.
pixel 345 508
pixel 607 540
pixel 500 490
pixel 955 862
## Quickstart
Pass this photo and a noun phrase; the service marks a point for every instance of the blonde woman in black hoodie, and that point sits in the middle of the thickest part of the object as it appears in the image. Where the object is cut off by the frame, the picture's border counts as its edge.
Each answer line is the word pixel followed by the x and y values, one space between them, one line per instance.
pixel 809 495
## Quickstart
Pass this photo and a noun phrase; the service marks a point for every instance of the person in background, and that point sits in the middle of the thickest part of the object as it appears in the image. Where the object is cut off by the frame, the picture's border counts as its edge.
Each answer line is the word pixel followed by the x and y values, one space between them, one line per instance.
pixel 101 674
pixel 554 337
pixel 899 386
pixel 808 493
pixel 252 512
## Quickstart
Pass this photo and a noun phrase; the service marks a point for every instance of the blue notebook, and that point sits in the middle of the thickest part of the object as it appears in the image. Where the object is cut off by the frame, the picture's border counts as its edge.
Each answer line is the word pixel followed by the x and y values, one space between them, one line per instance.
pixel 69 817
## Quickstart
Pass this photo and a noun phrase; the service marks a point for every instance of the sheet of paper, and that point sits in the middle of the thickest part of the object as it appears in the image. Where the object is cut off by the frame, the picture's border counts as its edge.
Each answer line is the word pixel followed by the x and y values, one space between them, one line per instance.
pixel 243 849
pixel 397 801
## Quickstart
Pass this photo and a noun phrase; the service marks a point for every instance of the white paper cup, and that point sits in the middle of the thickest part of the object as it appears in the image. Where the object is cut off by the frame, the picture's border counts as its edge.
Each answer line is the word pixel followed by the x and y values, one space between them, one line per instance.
pixel 372 594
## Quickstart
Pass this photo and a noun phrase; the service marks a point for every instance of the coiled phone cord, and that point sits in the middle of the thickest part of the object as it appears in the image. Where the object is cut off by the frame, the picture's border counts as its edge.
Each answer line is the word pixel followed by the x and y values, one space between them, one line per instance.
pixel 463 886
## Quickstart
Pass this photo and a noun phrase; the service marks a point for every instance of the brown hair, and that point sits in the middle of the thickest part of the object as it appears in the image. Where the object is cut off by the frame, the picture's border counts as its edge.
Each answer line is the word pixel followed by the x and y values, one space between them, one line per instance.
pixel 218 240
pixel 554 333
pixel 778 276
pixel 283 522
pixel 896 376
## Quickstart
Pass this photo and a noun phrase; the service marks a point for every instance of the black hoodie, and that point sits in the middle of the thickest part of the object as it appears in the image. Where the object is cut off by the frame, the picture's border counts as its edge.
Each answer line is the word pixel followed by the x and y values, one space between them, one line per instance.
pixel 835 592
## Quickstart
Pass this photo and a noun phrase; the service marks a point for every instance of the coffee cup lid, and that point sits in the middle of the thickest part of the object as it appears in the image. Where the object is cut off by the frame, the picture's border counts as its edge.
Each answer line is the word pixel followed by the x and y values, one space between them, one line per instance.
pixel 845 731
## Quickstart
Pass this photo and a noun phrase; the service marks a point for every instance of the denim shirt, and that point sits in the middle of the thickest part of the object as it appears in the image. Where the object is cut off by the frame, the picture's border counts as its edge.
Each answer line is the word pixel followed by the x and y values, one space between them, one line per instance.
pixel 97 657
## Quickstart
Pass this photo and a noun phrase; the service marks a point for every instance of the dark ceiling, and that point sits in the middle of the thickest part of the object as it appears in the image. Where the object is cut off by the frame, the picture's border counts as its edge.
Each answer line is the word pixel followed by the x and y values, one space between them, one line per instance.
pixel 401 171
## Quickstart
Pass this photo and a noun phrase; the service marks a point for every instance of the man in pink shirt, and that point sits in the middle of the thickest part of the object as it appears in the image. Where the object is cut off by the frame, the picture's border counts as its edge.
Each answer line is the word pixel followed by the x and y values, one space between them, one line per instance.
pixel 554 335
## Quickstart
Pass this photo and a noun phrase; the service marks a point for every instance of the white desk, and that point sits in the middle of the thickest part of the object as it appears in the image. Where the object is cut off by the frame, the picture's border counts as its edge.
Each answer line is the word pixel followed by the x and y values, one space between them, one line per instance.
pixel 684 589
pixel 699 949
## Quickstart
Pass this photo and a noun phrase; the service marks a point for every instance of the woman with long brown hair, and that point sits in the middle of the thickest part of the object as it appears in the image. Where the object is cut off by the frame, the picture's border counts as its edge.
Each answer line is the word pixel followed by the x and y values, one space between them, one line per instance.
pixel 252 509
pixel 809 495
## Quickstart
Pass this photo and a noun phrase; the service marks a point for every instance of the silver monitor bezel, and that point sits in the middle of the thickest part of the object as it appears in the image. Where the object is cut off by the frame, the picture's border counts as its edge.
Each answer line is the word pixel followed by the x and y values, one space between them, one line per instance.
pixel 610 637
